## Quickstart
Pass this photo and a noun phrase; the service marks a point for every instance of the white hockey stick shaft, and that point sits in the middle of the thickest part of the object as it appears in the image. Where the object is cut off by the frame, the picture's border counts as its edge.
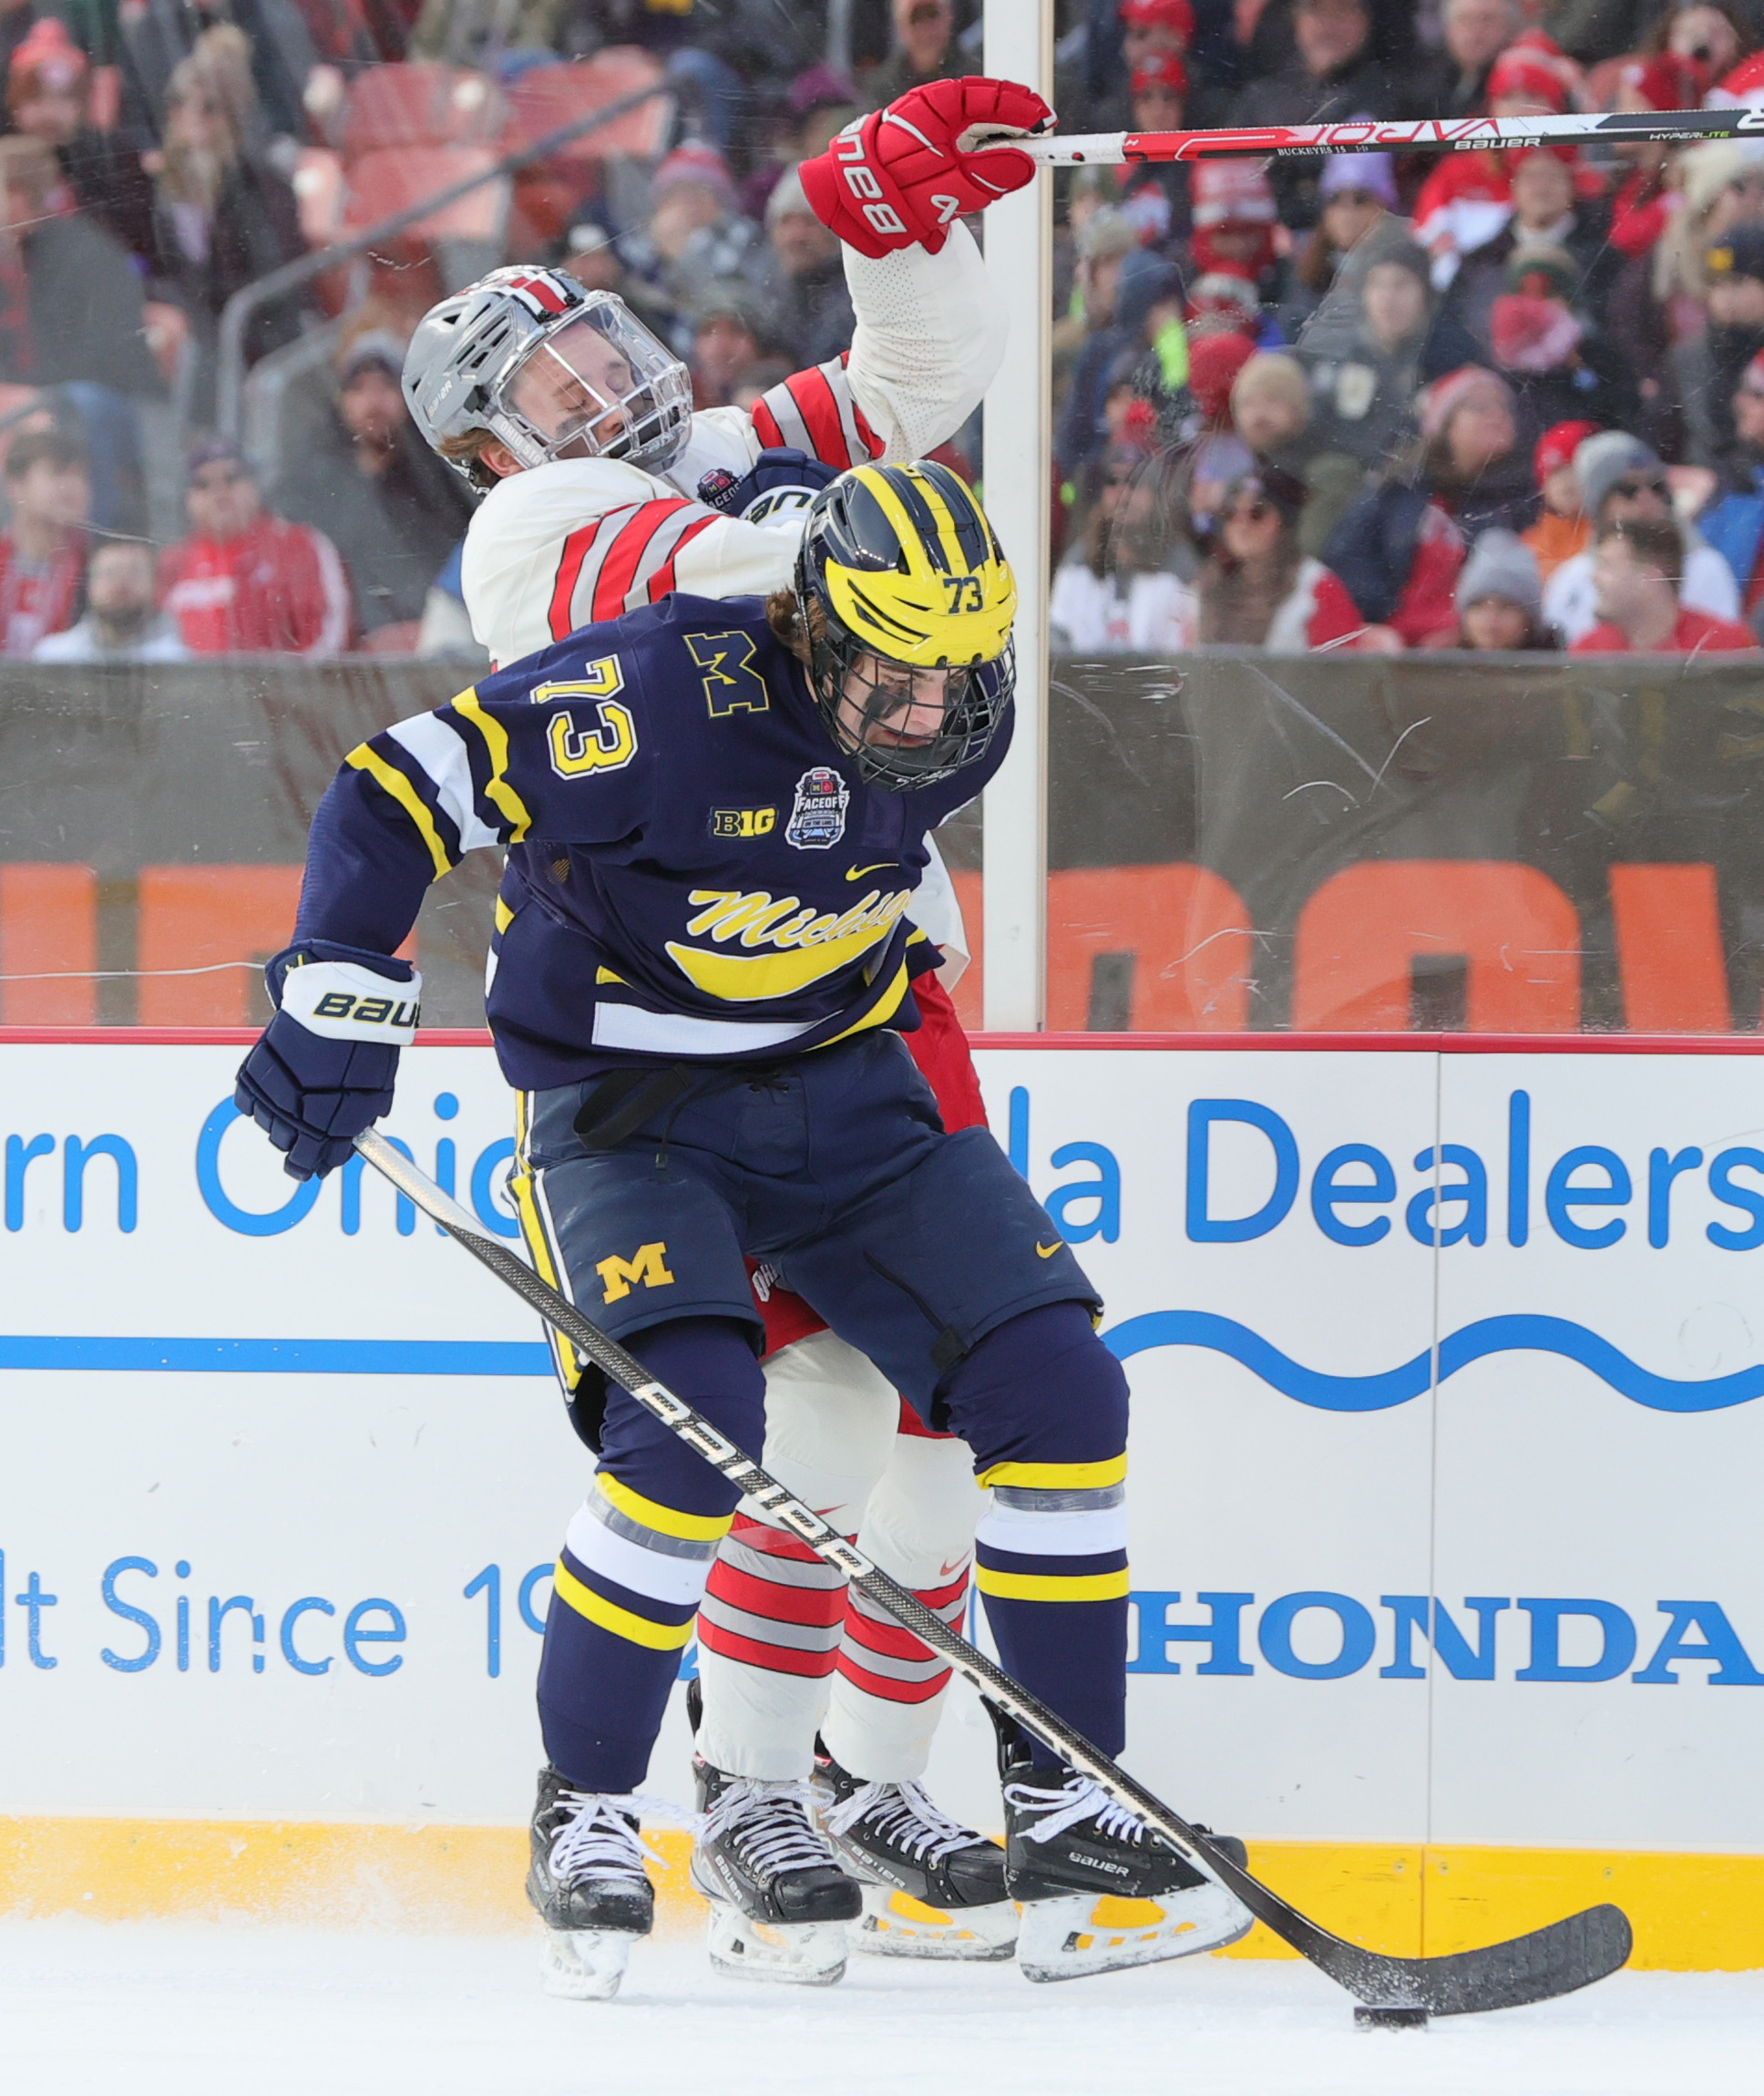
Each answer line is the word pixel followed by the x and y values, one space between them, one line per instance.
pixel 1426 134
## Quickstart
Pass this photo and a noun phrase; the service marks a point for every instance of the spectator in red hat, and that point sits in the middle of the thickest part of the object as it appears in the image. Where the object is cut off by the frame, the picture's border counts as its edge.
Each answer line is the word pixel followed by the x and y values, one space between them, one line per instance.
pixel 1734 524
pixel 1546 343
pixel 244 581
pixel 1637 571
pixel 48 98
pixel 1257 588
pixel 1563 531
pixel 1237 224
pixel 1217 453
pixel 1475 33
pixel 1547 210
pixel 1333 75
pixel 1156 194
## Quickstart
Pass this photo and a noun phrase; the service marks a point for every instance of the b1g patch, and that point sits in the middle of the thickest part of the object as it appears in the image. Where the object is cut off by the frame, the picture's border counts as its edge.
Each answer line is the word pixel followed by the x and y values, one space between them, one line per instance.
pixel 817 821
pixel 744 821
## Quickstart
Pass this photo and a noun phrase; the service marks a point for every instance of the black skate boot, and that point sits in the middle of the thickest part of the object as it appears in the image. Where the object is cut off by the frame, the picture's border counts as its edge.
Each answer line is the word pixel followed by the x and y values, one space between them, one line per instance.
pixel 779 1900
pixel 587 1883
pixel 1099 1889
pixel 932 1887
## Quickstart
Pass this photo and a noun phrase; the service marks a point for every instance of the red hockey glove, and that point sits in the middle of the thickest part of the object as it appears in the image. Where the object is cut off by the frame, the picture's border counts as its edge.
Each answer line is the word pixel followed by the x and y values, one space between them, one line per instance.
pixel 897 179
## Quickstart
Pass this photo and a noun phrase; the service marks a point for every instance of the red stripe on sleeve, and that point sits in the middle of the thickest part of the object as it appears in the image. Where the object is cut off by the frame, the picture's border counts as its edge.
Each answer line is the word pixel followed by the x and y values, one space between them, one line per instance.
pixel 661 581
pixel 563 590
pixel 820 414
pixel 766 426
pixel 618 570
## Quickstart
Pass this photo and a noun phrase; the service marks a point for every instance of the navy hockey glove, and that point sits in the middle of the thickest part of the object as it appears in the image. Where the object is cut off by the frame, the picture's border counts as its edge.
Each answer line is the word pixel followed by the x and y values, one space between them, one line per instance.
pixel 776 489
pixel 324 1070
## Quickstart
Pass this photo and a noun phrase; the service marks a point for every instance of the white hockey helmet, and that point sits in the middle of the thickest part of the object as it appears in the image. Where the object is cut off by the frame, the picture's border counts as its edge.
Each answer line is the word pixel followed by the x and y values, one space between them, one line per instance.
pixel 549 369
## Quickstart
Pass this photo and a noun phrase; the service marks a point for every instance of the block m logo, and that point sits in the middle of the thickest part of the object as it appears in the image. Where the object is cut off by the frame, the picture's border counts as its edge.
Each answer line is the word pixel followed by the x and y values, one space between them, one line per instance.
pixel 646 1269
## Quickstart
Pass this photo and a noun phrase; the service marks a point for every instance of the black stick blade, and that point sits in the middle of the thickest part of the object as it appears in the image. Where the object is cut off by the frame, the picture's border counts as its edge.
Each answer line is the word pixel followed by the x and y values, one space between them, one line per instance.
pixel 1559 1959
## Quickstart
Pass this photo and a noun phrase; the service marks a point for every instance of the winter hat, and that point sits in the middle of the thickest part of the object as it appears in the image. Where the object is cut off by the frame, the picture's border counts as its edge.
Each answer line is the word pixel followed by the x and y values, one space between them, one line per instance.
pixel 1522 72
pixel 1557 445
pixel 1225 292
pixel 1531 334
pixel 1438 403
pixel 819 87
pixel 1500 566
pixel 1166 70
pixel 209 450
pixel 1106 232
pixel 1281 491
pixel 1374 172
pixel 694 161
pixel 1142 289
pixel 1739 252
pixel 377 347
pixel 788 196
pixel 1214 365
pixel 1177 16
pixel 1705 171
pixel 1406 254
pixel 1555 265
pixel 1603 460
pixel 1237 190
pixel 46 61
pixel 1269 371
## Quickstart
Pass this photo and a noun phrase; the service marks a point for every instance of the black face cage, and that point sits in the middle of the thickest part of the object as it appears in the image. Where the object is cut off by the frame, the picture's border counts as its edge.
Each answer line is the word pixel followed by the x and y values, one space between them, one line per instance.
pixel 978 695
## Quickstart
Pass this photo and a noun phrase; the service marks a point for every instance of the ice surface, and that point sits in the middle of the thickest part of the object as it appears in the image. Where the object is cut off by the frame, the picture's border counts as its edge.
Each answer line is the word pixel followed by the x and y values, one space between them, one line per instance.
pixel 88 2009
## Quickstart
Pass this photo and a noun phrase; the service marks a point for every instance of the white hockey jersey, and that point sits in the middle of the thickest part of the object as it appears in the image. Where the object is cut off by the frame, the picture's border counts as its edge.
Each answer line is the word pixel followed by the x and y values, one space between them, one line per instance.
pixel 561 546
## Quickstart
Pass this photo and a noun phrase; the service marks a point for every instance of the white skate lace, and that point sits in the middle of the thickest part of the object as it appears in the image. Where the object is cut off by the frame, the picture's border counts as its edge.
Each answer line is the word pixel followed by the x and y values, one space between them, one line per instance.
pixel 1076 1800
pixel 771 1823
pixel 599 1842
pixel 903 1815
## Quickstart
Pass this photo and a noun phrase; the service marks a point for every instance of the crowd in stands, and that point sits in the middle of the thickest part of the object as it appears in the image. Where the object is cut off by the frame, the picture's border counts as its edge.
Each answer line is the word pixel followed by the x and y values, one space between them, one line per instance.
pixel 1488 400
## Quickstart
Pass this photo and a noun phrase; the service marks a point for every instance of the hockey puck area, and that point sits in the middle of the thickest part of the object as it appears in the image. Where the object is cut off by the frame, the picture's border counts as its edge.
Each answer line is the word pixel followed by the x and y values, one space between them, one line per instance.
pixel 1389 2018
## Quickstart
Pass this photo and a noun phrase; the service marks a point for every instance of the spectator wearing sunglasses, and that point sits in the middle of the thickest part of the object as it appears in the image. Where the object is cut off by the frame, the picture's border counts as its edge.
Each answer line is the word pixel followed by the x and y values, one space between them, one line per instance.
pixel 246 582
pixel 1259 588
pixel 1621 479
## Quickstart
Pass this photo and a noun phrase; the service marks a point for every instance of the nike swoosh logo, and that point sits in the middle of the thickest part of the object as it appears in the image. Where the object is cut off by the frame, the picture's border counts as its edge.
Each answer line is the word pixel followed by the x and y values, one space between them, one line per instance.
pixel 857 872
pixel 949 1571
pixel 1047 1252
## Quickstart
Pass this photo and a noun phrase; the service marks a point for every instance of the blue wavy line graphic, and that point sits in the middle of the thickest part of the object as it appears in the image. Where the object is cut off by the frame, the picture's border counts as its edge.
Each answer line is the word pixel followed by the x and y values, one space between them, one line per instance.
pixel 1473 1342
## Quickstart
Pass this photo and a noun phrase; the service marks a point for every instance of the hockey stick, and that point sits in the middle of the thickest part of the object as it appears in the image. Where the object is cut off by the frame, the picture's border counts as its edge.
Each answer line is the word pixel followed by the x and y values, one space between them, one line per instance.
pixel 1430 135
pixel 1535 1968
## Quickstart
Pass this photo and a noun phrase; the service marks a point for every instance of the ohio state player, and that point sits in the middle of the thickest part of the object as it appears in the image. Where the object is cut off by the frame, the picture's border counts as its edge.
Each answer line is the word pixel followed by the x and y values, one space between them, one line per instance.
pixel 605 492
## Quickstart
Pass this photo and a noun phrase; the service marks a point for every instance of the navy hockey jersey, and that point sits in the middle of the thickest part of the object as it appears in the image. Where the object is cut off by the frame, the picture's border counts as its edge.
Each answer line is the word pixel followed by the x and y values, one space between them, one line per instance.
pixel 693 872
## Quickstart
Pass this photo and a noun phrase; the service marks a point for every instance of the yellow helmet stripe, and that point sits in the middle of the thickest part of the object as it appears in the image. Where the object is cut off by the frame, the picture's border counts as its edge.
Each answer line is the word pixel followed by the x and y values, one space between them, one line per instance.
pixel 911 530
pixel 943 522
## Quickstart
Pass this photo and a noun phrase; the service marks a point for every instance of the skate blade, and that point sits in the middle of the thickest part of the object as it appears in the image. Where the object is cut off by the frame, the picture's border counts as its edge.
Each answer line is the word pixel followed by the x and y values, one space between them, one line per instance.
pixel 789 1954
pixel 1082 1932
pixel 584 1964
pixel 896 1925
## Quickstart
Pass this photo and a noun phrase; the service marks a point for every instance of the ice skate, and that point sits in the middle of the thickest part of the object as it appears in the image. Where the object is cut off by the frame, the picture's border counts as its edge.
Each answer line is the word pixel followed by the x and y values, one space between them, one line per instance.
pixel 1100 1890
pixel 932 1887
pixel 779 1900
pixel 587 1883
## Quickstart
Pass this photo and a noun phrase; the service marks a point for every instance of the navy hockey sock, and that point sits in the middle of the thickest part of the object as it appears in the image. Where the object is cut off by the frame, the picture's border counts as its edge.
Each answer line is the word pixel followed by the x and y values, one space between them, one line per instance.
pixel 632 1570
pixel 1043 1404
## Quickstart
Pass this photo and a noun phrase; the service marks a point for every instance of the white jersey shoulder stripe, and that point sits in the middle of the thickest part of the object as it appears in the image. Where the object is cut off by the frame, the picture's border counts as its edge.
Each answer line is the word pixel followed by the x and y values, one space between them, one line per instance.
pixel 445 765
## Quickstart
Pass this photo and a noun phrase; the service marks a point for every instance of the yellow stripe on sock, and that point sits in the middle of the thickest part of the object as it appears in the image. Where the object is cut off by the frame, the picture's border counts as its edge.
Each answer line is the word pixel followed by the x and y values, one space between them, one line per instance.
pixel 1058 1476
pixel 610 1616
pixel 1051 1585
pixel 665 1520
